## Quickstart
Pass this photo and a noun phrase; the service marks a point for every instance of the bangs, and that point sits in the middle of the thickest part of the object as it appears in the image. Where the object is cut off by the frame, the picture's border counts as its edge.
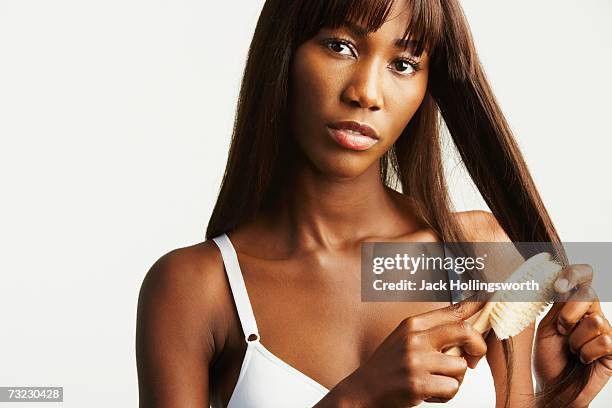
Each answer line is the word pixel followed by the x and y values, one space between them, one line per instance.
pixel 425 27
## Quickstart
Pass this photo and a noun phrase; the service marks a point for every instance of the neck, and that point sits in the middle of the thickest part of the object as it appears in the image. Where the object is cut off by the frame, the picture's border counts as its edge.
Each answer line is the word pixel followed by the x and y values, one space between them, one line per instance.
pixel 322 212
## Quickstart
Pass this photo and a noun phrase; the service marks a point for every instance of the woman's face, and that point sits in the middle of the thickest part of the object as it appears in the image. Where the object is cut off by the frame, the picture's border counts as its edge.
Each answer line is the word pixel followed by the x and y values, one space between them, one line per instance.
pixel 341 75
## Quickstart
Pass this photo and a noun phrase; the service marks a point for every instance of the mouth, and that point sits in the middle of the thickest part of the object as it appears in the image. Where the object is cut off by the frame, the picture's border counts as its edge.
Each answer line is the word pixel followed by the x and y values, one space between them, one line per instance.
pixel 353 135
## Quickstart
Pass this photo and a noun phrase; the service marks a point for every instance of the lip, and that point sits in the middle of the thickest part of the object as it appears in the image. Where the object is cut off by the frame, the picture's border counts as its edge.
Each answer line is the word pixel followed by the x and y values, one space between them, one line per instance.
pixel 353 141
pixel 353 135
pixel 351 125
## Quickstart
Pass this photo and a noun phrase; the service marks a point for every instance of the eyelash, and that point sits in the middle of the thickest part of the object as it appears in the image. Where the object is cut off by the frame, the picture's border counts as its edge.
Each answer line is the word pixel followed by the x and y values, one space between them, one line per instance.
pixel 416 65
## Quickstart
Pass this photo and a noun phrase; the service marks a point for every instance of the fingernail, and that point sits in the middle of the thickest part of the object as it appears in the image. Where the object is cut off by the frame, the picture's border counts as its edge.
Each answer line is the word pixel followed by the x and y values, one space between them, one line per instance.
pixel 582 360
pixel 562 285
pixel 562 330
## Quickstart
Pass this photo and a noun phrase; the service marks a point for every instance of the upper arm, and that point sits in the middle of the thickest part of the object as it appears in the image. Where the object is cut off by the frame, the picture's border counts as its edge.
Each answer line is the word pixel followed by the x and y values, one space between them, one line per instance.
pixel 175 330
pixel 521 384
pixel 481 226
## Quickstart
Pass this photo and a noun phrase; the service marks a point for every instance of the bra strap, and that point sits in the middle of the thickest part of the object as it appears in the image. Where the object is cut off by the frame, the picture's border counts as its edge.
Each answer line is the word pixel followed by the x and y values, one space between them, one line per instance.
pixel 236 281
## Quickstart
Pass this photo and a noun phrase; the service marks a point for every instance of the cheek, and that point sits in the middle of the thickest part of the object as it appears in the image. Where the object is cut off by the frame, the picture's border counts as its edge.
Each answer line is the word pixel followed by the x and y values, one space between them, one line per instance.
pixel 313 84
pixel 404 101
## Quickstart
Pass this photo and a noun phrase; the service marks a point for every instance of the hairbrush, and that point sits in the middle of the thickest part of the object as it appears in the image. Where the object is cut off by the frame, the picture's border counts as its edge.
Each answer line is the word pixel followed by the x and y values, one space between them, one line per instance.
pixel 505 313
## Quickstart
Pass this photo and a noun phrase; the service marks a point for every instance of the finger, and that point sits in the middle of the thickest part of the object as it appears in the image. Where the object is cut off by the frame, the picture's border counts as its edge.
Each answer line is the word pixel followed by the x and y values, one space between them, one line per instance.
pixel 450 314
pixel 587 329
pixel 439 388
pixel 449 366
pixel 573 276
pixel 600 346
pixel 458 334
pixel 572 311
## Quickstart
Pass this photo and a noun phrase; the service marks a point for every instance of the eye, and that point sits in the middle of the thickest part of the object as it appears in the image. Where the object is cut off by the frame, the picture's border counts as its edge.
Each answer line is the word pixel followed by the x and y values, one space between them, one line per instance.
pixel 405 63
pixel 337 45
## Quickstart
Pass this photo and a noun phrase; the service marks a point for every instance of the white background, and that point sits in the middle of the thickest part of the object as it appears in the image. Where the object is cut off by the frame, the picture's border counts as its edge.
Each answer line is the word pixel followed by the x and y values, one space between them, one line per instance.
pixel 115 118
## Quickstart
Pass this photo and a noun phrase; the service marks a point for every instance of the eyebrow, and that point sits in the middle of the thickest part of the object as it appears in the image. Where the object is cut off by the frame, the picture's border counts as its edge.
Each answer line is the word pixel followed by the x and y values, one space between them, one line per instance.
pixel 362 32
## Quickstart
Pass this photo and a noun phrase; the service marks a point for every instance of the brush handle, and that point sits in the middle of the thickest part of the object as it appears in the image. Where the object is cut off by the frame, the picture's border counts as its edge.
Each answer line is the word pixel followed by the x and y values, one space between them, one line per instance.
pixel 481 325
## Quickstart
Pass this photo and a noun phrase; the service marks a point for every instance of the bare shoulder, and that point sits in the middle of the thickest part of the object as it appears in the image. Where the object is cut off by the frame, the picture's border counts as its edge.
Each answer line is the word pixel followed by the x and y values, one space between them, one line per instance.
pixel 181 328
pixel 481 226
pixel 189 271
pixel 188 281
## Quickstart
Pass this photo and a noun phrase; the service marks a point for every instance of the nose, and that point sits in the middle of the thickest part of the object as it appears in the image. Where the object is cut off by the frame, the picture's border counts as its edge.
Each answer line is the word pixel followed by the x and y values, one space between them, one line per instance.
pixel 364 89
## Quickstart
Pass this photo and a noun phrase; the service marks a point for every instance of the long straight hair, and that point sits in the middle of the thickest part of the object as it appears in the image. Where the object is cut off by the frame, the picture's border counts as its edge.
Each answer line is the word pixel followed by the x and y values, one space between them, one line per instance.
pixel 458 94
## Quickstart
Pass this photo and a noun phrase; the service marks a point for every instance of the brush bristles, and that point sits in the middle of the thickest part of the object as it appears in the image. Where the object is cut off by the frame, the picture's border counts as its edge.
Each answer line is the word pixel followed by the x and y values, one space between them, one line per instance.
pixel 510 316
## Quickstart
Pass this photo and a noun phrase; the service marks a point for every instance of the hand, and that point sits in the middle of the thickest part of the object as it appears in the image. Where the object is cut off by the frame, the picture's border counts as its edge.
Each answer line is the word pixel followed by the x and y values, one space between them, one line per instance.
pixel 574 327
pixel 409 366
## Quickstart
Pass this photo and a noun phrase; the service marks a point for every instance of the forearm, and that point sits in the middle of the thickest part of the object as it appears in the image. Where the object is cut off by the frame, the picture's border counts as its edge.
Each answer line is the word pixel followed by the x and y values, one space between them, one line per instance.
pixel 332 400
pixel 346 394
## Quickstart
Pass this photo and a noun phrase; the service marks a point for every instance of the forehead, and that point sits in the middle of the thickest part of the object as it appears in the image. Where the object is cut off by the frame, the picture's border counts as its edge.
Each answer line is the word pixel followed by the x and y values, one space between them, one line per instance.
pixel 395 25
pixel 398 17
pixel 421 22
pixel 391 31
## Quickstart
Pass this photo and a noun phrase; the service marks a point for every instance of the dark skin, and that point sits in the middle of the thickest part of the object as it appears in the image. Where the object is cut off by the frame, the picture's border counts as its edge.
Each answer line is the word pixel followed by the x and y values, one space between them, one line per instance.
pixel 301 265
pixel 187 292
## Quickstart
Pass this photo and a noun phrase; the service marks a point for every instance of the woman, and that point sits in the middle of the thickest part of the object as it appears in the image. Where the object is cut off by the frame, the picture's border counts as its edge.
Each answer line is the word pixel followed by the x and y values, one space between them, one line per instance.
pixel 339 100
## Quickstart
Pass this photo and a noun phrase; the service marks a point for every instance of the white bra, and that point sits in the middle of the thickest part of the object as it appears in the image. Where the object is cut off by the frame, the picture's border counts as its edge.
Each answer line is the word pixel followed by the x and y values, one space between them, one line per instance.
pixel 267 381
